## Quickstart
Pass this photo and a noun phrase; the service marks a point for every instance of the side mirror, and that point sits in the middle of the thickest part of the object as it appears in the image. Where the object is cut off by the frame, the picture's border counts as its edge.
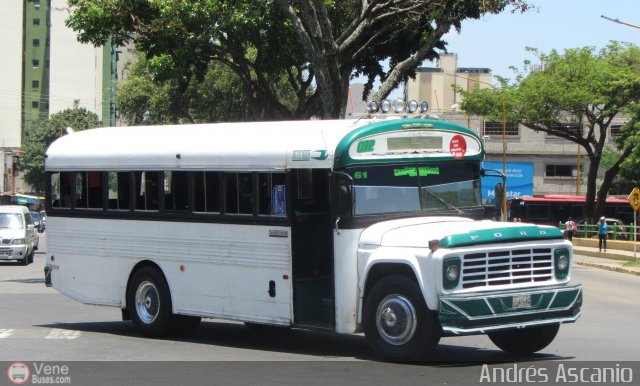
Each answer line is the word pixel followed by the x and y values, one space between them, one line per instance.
pixel 345 200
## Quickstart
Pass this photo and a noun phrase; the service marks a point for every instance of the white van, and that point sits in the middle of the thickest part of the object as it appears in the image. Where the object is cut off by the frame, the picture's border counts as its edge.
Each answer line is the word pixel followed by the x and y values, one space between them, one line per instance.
pixel 18 236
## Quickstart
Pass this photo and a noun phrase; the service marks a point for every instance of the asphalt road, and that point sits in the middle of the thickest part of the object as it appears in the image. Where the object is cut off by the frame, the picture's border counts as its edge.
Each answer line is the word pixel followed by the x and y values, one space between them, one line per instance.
pixel 37 324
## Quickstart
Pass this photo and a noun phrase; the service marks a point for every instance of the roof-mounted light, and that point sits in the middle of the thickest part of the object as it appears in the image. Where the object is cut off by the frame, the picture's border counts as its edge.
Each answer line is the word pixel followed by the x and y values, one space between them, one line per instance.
pixel 424 106
pixel 398 106
pixel 373 107
pixel 385 106
pixel 412 106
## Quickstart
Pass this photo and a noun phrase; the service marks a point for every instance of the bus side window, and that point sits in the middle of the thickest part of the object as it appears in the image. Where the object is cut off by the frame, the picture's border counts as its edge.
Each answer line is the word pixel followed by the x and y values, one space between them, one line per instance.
pixel 67 189
pixel 239 193
pixel 271 196
pixel 147 185
pixel 119 190
pixel 175 191
pixel 55 190
pixel 206 192
pixel 94 191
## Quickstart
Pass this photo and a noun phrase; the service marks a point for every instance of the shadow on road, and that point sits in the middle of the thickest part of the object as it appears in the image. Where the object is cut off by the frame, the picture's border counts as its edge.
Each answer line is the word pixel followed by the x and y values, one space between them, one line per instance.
pixel 313 343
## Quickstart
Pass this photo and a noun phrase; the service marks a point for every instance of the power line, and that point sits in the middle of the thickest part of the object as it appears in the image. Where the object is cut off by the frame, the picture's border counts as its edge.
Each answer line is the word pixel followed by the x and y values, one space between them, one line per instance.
pixel 619 22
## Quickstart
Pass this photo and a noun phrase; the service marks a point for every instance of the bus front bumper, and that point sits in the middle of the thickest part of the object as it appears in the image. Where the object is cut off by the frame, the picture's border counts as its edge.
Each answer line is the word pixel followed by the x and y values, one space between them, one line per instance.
pixel 480 313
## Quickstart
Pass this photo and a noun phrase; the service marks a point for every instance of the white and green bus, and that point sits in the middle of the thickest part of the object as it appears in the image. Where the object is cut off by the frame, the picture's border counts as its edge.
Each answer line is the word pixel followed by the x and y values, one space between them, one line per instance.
pixel 370 225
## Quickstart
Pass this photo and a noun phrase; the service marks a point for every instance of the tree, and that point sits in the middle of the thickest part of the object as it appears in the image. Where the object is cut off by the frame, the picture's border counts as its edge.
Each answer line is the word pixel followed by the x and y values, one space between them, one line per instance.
pixel 575 95
pixel 316 45
pixel 42 134
pixel 142 99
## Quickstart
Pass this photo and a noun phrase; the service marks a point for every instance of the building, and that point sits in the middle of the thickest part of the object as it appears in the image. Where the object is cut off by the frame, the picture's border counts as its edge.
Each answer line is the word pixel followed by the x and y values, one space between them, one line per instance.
pixel 44 70
pixel 537 163
pixel 437 85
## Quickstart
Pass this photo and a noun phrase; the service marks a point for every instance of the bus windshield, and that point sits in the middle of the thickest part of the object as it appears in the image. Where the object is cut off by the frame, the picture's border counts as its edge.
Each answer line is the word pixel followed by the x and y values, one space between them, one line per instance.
pixel 436 186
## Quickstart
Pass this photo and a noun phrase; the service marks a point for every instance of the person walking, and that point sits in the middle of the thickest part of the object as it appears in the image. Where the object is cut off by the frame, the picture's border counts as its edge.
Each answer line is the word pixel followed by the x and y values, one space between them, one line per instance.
pixel 602 234
pixel 570 229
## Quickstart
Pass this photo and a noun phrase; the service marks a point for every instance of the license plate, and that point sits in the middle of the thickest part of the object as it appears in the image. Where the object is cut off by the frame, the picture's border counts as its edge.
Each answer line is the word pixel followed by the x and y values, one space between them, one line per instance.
pixel 521 301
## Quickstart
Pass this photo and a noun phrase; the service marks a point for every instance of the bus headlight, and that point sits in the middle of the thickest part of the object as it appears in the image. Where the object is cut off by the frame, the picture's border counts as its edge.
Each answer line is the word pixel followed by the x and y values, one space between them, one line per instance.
pixel 451 272
pixel 562 263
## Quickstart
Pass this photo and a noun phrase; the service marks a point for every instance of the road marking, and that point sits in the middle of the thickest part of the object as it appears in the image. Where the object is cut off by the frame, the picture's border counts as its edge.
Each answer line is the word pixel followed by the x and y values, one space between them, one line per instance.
pixel 36 333
pixel 5 332
pixel 58 333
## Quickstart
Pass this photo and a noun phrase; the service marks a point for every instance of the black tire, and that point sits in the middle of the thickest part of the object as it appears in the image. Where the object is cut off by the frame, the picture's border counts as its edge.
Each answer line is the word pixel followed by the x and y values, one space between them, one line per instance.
pixel 149 303
pixel 28 259
pixel 397 323
pixel 32 257
pixel 525 341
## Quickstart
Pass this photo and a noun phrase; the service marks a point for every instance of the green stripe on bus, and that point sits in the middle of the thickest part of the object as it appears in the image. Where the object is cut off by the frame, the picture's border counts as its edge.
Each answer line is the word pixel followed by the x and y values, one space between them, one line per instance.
pixel 523 233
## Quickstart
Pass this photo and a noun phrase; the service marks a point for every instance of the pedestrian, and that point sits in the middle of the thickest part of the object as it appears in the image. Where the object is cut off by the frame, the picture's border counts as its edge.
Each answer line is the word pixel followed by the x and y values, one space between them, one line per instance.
pixel 602 234
pixel 570 228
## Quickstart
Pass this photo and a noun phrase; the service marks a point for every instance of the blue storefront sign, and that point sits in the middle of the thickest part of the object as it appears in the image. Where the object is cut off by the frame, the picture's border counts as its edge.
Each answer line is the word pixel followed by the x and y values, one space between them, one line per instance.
pixel 519 181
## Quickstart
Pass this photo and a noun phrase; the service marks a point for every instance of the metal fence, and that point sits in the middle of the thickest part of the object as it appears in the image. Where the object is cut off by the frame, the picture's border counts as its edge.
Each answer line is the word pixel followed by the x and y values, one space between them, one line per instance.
pixel 615 231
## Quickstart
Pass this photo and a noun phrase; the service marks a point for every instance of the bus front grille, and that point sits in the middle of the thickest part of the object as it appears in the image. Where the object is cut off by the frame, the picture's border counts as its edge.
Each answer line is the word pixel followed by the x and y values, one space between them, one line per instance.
pixel 487 269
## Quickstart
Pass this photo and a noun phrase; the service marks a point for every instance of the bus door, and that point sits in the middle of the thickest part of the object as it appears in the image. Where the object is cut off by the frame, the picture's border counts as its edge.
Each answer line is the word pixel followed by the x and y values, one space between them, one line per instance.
pixel 312 248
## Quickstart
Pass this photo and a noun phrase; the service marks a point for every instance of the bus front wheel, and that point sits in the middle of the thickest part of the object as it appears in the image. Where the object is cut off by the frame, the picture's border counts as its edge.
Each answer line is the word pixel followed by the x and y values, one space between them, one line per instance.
pixel 149 302
pixel 397 323
pixel 525 341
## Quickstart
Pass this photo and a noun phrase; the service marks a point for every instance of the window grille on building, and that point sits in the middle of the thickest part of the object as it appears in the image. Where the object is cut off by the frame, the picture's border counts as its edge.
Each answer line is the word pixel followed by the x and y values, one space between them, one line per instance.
pixel 561 170
pixel 495 128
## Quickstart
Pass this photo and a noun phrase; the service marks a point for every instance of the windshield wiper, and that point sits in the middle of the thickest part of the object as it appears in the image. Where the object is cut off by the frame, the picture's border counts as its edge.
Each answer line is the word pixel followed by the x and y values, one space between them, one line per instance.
pixel 447 204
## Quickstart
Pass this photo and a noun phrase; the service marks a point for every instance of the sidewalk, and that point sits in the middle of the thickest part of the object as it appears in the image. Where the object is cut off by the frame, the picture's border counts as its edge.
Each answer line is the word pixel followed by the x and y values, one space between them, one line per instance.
pixel 612 260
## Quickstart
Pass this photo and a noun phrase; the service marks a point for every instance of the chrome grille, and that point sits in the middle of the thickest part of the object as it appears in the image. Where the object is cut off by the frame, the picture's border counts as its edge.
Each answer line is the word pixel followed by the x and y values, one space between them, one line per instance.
pixel 487 269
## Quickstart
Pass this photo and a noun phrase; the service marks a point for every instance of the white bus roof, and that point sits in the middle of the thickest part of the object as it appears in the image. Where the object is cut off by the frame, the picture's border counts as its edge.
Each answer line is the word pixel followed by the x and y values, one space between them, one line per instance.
pixel 266 146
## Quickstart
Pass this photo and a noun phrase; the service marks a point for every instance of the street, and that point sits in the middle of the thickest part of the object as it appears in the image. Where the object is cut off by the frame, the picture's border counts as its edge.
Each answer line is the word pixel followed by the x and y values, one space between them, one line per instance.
pixel 39 324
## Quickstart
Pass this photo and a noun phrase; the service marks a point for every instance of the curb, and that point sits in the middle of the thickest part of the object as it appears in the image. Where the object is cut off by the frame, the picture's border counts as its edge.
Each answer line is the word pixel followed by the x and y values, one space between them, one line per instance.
pixel 609 267
pixel 606 255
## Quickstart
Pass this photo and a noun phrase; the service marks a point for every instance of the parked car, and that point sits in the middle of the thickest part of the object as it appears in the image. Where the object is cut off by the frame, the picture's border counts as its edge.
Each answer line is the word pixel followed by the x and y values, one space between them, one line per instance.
pixel 18 235
pixel 38 222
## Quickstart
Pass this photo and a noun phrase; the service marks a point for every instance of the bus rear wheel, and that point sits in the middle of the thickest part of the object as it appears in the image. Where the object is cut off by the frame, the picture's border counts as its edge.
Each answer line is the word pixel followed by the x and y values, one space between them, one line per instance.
pixel 525 341
pixel 397 323
pixel 149 302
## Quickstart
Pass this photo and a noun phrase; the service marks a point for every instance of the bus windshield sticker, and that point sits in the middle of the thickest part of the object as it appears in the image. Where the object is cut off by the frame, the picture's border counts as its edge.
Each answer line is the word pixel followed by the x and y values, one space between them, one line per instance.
pixel 406 171
pixel 278 197
pixel 426 171
pixel 409 171
pixel 458 146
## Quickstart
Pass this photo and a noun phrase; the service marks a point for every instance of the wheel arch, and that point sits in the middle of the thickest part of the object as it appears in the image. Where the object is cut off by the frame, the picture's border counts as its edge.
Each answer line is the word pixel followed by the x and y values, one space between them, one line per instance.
pixel 376 271
pixel 134 269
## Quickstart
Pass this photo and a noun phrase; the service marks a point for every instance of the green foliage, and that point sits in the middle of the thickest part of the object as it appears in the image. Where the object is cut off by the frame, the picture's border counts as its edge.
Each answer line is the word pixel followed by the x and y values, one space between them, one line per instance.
pixel 315 46
pixel 44 132
pixel 580 86
pixel 218 96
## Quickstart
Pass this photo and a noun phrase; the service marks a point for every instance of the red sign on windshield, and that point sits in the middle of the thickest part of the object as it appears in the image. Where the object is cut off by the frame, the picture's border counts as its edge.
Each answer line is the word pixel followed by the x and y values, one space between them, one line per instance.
pixel 458 146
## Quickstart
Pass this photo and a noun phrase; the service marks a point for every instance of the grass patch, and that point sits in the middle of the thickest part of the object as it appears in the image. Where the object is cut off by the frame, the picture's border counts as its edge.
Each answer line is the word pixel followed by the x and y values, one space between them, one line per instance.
pixel 632 264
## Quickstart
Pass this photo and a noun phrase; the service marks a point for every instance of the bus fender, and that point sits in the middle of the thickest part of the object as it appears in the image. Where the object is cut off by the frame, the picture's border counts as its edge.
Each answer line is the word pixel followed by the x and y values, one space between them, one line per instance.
pixel 382 264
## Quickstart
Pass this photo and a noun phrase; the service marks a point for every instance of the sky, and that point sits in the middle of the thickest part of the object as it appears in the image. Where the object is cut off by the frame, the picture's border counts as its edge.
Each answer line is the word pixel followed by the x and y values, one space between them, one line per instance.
pixel 498 41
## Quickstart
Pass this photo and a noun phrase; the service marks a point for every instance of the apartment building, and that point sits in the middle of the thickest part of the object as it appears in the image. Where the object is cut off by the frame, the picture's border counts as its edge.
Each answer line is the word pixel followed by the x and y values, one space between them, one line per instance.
pixel 44 70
